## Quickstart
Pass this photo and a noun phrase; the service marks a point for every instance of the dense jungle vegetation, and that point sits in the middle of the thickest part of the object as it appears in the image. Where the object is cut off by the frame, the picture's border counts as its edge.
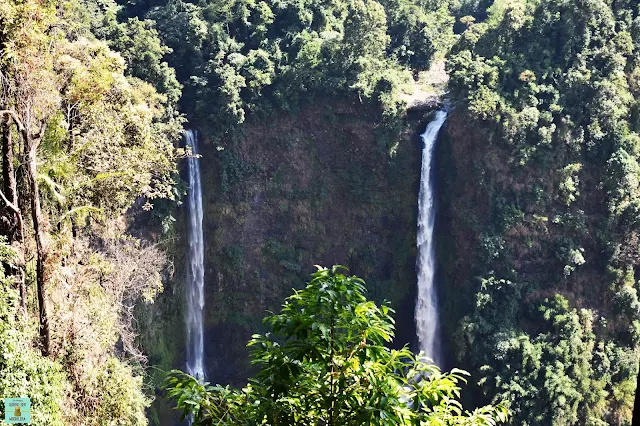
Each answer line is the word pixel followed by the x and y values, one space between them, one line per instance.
pixel 553 87
pixel 308 157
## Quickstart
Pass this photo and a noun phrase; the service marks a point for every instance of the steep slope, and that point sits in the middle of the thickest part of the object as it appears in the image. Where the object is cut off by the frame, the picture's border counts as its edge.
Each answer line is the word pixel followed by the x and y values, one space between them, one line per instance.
pixel 83 141
pixel 542 207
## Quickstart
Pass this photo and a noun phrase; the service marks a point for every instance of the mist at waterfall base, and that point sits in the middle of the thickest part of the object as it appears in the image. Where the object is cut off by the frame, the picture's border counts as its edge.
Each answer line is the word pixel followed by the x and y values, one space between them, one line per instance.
pixel 426 310
pixel 195 270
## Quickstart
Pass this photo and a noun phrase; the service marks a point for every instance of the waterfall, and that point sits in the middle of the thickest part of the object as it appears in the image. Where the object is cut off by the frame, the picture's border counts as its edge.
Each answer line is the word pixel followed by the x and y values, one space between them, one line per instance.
pixel 426 314
pixel 195 271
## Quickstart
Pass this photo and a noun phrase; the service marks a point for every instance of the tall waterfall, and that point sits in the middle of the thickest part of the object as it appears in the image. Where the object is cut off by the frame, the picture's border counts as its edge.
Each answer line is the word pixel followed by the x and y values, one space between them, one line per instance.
pixel 195 272
pixel 426 314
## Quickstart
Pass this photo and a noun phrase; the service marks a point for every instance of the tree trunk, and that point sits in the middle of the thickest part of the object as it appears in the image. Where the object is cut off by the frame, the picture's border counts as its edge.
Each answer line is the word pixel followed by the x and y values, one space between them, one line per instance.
pixel 636 406
pixel 8 172
pixel 23 292
pixel 16 231
pixel 38 227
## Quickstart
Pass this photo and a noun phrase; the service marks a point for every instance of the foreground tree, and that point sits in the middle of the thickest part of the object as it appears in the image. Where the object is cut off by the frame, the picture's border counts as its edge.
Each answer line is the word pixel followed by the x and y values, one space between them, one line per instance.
pixel 325 363
pixel 29 98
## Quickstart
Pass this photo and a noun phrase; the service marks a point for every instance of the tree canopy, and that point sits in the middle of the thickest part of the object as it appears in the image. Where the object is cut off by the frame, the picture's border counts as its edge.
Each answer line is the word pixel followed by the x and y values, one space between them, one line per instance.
pixel 324 361
pixel 240 56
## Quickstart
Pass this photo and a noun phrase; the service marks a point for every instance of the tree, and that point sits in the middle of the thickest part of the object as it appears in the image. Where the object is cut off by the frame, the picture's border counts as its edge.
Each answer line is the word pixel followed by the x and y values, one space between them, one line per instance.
pixel 31 98
pixel 418 31
pixel 89 138
pixel 82 140
pixel 242 56
pixel 325 363
pixel 23 371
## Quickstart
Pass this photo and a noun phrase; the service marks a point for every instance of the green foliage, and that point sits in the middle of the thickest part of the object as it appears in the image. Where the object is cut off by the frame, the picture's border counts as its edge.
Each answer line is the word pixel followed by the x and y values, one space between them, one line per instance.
pixel 566 374
pixel 102 389
pixel 96 138
pixel 419 30
pixel 23 371
pixel 241 56
pixel 325 362
pixel 551 376
pixel 136 40
pixel 550 87
pixel 116 392
pixel 116 148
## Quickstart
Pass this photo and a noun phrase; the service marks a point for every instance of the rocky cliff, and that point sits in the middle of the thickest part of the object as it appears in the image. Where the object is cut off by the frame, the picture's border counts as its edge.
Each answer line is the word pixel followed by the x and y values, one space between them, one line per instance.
pixel 282 194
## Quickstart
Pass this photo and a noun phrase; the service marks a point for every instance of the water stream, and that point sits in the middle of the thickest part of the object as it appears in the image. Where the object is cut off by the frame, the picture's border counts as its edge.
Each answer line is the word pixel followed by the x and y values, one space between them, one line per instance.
pixel 195 271
pixel 426 313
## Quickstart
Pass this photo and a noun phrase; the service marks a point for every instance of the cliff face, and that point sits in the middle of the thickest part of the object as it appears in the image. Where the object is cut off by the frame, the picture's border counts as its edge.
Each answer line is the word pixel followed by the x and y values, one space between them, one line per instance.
pixel 282 195
pixel 505 218
pixel 308 188
pixel 526 295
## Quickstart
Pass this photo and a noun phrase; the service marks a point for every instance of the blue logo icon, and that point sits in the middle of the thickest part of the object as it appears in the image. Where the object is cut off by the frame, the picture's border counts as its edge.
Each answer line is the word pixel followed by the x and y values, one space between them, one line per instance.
pixel 17 410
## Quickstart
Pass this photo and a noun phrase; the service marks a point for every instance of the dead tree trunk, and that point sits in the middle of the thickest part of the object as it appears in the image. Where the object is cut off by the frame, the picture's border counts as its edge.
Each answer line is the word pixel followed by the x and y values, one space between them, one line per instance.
pixel 31 142
pixel 15 232
pixel 41 249
pixel 636 407
pixel 8 172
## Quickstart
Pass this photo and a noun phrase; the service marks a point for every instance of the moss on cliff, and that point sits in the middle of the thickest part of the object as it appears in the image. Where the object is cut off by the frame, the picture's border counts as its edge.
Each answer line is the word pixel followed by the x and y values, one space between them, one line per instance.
pixel 285 193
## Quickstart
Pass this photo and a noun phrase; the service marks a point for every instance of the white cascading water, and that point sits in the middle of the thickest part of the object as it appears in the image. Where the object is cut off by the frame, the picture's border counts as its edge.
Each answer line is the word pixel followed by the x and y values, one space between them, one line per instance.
pixel 195 272
pixel 426 314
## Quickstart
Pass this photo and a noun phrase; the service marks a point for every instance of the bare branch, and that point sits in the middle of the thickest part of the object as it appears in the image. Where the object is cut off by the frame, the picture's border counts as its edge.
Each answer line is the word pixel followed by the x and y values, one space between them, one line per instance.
pixel 23 130
pixel 9 204
pixel 40 132
pixel 16 210
pixel 16 119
